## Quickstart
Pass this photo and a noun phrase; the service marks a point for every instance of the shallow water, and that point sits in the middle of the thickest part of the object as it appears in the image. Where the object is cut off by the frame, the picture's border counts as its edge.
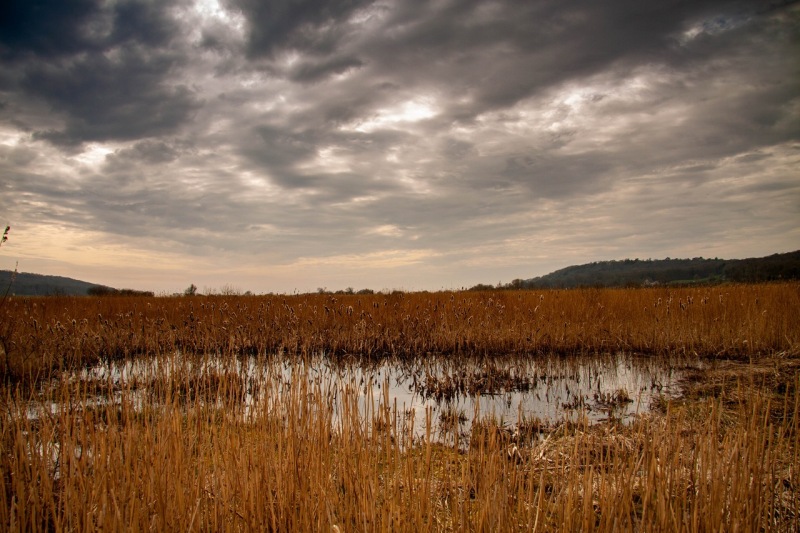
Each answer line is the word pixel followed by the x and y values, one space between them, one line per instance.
pixel 450 393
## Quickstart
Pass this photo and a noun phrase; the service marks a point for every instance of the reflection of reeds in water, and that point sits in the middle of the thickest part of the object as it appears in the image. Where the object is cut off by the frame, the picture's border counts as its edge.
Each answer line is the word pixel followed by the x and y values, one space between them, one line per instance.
pixel 306 458
pixel 451 418
pixel 490 377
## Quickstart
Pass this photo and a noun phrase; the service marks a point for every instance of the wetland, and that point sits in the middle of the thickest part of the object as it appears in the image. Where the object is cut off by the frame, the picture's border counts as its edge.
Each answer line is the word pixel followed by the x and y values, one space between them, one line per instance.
pixel 597 410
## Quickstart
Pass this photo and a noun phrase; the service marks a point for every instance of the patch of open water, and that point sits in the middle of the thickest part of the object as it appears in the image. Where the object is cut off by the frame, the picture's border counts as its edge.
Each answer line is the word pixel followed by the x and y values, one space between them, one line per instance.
pixel 448 392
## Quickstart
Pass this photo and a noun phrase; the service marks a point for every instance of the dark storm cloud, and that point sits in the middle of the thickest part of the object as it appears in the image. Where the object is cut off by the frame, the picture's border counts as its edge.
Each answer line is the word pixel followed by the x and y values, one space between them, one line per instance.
pixel 54 28
pixel 482 57
pixel 105 69
pixel 144 23
pixel 46 27
pixel 308 25
pixel 502 52
pixel 112 99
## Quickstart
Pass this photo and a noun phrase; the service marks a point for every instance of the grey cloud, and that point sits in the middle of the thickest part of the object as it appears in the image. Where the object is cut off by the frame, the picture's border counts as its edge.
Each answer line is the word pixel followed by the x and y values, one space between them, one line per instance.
pixel 219 37
pixel 46 27
pixel 554 126
pixel 106 99
pixel 547 44
pixel 456 149
pixel 105 69
pixel 149 152
pixel 308 25
pixel 44 199
pixel 279 155
pixel 356 101
pixel 130 203
pixel 280 149
pixel 142 22
pixel 547 176
pixel 752 158
pixel 55 29
pixel 785 187
pixel 697 169
pixel 17 156
pixel 503 56
pixel 313 71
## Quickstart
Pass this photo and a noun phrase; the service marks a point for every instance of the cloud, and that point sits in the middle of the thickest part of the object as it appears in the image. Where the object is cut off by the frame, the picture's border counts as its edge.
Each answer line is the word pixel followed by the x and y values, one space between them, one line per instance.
pixel 107 71
pixel 314 71
pixel 134 101
pixel 47 28
pixel 308 25
pixel 461 141
pixel 145 152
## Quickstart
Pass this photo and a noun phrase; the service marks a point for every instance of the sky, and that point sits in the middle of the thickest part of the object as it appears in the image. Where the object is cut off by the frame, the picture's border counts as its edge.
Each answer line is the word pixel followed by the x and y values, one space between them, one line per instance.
pixel 286 146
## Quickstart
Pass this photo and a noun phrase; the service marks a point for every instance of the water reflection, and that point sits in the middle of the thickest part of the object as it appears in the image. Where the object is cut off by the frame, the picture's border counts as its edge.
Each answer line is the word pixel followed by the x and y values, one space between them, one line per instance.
pixel 438 395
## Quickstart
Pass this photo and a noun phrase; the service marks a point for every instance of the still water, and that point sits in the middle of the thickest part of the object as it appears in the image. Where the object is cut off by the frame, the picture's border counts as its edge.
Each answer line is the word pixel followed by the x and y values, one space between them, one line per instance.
pixel 440 394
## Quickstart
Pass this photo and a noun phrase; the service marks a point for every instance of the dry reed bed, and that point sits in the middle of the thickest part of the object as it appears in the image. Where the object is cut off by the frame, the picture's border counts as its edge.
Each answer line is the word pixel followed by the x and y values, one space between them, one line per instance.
pixel 177 449
pixel 39 335
pixel 310 461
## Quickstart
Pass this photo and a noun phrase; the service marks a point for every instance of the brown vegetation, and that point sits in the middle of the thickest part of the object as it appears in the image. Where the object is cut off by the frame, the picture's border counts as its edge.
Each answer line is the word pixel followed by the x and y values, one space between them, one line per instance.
pixel 175 446
pixel 308 459
pixel 39 335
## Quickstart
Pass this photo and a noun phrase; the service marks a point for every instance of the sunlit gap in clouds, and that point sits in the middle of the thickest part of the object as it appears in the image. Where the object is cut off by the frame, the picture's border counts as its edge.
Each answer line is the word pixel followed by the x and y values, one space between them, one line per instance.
pixel 212 10
pixel 11 138
pixel 94 154
pixel 389 230
pixel 258 182
pixel 408 112
pixel 329 159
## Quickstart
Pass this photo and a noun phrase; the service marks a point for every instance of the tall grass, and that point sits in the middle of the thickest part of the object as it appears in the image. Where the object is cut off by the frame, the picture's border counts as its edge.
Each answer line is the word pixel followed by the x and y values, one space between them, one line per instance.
pixel 41 335
pixel 307 459
pixel 191 441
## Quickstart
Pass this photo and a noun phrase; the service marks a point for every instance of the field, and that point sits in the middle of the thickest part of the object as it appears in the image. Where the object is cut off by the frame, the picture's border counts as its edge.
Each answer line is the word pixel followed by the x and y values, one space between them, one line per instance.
pixel 280 413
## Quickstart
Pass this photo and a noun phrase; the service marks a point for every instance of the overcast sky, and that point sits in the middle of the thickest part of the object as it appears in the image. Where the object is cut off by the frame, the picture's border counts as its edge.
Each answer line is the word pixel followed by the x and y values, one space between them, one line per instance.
pixel 289 145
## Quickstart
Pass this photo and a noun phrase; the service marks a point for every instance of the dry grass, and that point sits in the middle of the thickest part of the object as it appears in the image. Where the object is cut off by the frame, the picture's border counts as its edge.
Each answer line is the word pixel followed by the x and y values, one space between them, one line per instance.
pixel 308 460
pixel 176 447
pixel 42 335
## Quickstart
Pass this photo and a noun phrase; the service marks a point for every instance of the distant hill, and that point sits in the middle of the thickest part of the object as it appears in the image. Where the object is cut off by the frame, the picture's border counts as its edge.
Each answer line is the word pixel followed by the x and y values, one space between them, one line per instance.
pixel 639 272
pixel 26 284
